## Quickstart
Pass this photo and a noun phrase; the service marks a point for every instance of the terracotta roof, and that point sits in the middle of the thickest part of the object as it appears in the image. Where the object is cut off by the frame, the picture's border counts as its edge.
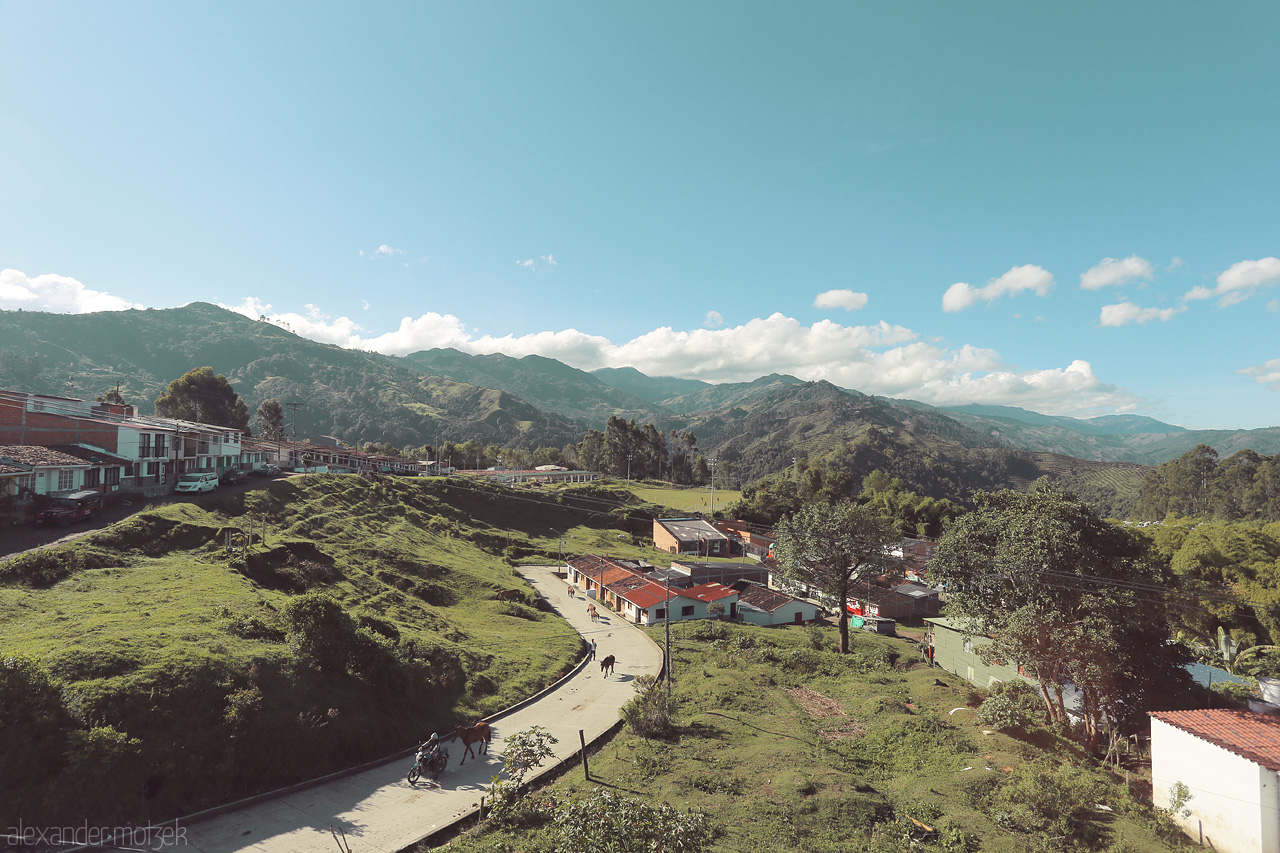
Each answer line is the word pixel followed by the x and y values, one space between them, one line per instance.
pixel 708 592
pixel 29 454
pixel 5 470
pixel 764 598
pixel 1248 735
pixel 601 569
pixel 648 595
pixel 630 582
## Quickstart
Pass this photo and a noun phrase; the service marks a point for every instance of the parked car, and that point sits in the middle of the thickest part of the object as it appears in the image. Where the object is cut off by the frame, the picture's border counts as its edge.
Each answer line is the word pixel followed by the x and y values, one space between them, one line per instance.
pixel 206 481
pixel 73 507
pixel 231 476
pixel 267 470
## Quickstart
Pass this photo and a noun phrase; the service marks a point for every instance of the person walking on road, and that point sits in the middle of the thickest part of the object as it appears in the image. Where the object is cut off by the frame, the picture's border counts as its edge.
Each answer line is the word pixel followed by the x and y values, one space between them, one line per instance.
pixel 593 650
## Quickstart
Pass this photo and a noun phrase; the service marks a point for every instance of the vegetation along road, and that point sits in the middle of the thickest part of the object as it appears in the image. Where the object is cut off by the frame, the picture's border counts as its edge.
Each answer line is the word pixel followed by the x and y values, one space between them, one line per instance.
pixel 378 809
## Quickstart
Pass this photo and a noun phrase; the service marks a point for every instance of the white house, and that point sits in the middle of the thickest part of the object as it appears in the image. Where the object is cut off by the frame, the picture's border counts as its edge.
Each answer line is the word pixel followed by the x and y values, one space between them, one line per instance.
pixel 1228 761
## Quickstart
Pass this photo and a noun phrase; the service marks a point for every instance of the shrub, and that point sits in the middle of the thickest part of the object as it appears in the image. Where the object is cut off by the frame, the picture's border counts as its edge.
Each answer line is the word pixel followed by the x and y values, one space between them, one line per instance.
pixel 649 713
pixel 320 631
pixel 604 820
pixel 1056 802
pixel 1002 713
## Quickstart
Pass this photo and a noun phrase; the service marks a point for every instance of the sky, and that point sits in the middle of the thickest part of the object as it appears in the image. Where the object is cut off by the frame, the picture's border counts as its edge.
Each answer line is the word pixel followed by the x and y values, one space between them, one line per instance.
pixel 1073 208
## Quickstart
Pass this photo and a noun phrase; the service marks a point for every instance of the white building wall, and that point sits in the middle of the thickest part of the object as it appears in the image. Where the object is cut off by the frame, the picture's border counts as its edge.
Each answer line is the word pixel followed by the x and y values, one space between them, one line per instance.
pixel 1235 804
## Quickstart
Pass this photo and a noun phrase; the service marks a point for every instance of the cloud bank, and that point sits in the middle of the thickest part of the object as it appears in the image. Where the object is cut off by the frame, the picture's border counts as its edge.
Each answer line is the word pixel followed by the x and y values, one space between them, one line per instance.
pixel 878 358
pixel 57 294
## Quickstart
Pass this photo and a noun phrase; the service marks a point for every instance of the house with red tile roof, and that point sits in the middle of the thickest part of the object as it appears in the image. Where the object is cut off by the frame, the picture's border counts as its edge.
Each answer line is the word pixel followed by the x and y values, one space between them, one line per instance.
pixel 760 605
pixel 1229 761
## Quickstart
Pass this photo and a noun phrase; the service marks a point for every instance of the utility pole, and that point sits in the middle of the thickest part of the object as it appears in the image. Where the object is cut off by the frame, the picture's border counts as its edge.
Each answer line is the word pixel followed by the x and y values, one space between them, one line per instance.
pixel 713 489
pixel 668 628
pixel 629 455
pixel 294 407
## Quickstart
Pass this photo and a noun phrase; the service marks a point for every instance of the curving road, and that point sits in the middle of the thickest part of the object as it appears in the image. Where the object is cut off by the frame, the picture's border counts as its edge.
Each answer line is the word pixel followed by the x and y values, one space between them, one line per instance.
pixel 379 810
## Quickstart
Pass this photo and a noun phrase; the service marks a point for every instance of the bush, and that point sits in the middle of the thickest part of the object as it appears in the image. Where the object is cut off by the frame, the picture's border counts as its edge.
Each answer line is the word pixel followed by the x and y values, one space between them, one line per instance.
pixel 604 820
pixel 320 631
pixel 1055 802
pixel 1003 714
pixel 649 713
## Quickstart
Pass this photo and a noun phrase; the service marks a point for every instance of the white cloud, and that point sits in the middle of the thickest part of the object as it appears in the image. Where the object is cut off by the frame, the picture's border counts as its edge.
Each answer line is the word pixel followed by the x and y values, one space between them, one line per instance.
pixel 540 263
pixel 1174 264
pixel 1072 390
pixel 714 320
pixel 58 294
pixel 1267 373
pixel 962 295
pixel 1125 313
pixel 1110 272
pixel 876 359
pixel 385 251
pixel 846 299
pixel 1239 282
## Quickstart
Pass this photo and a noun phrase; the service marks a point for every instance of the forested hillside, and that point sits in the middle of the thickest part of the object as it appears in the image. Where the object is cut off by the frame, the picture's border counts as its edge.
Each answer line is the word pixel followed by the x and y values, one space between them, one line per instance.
pixel 354 395
pixel 1245 485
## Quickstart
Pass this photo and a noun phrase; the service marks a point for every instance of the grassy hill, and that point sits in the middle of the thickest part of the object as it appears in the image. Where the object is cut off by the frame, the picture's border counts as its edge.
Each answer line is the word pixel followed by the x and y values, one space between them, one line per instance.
pixel 147 672
pixel 789 746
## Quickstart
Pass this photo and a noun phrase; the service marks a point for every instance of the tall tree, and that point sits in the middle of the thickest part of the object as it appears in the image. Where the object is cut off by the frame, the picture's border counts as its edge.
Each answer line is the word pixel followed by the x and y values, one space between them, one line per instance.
pixel 1069 597
pixel 271 420
pixel 204 398
pixel 831 547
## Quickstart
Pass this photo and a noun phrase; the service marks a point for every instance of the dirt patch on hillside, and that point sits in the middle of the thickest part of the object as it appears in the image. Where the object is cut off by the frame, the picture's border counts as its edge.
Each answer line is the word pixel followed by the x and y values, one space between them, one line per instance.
pixel 834 723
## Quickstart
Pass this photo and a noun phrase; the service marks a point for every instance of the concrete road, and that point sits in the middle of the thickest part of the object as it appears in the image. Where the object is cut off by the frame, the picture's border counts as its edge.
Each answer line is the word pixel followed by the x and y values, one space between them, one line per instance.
pixel 379 810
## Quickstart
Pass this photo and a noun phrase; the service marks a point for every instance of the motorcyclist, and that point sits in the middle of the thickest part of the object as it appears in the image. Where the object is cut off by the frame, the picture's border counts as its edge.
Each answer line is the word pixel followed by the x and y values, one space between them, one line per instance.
pixel 432 746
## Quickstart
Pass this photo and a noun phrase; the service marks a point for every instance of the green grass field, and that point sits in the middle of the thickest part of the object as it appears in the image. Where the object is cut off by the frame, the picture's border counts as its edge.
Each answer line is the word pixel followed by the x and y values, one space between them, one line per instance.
pixel 687 500
pixel 791 748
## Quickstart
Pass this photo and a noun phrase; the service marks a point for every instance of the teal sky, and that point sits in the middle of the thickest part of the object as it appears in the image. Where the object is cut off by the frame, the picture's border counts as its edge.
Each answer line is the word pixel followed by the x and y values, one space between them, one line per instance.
pixel 1072 208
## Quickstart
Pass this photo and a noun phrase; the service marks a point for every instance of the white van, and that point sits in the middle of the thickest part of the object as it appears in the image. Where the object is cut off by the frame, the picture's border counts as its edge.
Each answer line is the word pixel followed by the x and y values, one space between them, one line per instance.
pixel 202 482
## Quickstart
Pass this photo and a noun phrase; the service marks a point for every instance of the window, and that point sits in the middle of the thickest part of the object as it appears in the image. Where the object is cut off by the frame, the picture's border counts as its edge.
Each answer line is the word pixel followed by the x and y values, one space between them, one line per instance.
pixel 66 479
pixel 687 610
pixel 144 445
pixel 161 450
pixel 660 613
pixel 92 477
pixel 112 477
pixel 968 647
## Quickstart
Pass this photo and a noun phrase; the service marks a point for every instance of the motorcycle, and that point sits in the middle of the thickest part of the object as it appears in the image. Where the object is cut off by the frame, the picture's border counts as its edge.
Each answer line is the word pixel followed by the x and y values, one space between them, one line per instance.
pixel 428 761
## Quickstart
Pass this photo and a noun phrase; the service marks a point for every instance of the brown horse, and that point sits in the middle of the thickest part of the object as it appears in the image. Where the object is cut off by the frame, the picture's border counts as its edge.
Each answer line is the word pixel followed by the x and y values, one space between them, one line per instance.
pixel 479 733
pixel 591 611
pixel 606 665
pixel 510 595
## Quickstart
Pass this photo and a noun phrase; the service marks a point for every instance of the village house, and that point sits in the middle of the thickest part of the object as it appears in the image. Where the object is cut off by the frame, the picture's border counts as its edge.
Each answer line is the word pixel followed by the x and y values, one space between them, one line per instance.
pixel 1228 761
pixel 746 540
pixel 906 602
pixel 949 644
pixel 760 605
pixel 725 573
pixel 689 536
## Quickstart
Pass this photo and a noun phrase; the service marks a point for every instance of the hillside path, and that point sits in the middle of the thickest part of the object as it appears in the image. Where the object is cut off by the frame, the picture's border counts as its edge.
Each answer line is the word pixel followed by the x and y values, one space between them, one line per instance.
pixel 380 811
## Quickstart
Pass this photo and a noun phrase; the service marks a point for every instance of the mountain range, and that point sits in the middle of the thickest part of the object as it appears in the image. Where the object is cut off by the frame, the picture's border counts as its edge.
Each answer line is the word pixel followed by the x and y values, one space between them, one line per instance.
pixel 444 394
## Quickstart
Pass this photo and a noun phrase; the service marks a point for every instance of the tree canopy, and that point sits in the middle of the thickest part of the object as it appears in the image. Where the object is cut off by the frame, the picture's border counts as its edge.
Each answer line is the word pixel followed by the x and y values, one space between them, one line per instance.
pixel 271 420
pixel 205 398
pixel 833 546
pixel 1069 597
